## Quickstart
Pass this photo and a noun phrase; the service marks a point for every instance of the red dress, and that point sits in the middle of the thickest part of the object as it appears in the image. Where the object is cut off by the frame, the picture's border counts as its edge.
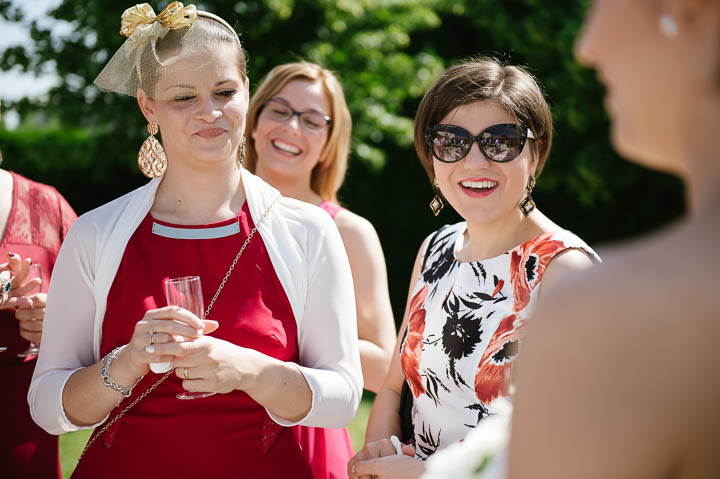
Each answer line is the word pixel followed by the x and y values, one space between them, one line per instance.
pixel 38 221
pixel 225 435
pixel 329 449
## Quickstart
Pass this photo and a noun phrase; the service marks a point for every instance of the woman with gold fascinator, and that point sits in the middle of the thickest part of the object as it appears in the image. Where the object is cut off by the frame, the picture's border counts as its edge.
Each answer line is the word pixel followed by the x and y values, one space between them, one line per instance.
pixel 276 343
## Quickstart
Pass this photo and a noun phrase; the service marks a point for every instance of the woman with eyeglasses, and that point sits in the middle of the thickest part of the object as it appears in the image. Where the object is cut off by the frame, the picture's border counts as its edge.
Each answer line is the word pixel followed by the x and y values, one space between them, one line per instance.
pixel 299 139
pixel 482 132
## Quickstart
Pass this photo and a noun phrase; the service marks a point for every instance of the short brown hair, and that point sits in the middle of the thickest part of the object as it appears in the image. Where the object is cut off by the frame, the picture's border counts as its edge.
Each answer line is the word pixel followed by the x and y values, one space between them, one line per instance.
pixel 485 79
pixel 329 174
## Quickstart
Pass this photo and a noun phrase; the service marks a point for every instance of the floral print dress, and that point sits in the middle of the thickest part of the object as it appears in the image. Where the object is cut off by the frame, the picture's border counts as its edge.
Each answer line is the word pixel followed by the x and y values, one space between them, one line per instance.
pixel 465 323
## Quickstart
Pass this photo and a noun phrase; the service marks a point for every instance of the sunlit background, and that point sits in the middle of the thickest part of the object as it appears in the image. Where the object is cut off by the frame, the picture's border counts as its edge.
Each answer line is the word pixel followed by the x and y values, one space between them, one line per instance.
pixel 58 129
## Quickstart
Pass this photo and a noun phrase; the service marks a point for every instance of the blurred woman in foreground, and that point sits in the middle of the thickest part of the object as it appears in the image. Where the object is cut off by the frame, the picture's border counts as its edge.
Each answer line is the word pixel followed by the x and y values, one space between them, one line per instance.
pixel 620 372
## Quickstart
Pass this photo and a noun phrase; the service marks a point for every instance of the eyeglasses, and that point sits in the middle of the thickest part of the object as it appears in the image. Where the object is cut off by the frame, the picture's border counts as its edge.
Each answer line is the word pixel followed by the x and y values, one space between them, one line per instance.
pixel 499 143
pixel 279 110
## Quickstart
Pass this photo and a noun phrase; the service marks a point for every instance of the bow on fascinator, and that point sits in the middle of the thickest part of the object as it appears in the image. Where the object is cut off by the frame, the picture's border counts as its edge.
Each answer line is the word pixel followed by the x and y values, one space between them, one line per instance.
pixel 142 19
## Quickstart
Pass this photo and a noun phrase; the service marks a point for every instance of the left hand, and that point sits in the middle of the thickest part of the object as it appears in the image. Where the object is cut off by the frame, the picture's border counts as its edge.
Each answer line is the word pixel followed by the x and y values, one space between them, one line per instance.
pixel 30 313
pixel 213 365
pixel 397 466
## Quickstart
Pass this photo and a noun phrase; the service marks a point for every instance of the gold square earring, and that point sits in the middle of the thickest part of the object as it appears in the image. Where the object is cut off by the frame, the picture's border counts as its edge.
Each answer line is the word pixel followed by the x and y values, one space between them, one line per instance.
pixel 151 158
pixel 243 152
pixel 527 204
pixel 436 205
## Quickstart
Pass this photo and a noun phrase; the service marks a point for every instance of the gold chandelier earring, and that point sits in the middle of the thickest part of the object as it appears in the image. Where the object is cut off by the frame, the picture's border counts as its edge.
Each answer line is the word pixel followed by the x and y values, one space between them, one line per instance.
pixel 243 152
pixel 151 158
pixel 527 204
pixel 436 205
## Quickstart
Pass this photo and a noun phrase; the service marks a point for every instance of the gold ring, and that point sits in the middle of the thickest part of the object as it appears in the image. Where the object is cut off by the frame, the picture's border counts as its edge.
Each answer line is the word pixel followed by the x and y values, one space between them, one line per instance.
pixel 185 373
pixel 152 337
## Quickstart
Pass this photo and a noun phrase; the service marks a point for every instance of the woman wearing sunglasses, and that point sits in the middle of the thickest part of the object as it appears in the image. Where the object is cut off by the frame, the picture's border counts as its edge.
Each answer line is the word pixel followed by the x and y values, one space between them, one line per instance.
pixel 482 132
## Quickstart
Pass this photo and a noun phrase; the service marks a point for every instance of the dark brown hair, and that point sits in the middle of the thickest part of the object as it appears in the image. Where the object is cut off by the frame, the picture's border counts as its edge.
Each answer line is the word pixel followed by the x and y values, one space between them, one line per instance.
pixel 485 79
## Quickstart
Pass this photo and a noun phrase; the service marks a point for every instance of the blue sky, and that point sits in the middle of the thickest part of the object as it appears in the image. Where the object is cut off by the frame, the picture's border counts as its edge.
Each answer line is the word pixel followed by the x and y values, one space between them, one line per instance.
pixel 14 85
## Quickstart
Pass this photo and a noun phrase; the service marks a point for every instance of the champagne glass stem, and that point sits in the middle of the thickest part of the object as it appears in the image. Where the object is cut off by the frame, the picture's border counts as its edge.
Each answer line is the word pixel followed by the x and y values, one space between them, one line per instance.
pixel 35 272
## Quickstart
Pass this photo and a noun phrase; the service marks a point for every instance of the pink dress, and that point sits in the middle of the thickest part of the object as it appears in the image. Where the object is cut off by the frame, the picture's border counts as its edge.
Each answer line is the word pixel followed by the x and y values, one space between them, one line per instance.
pixel 329 450
pixel 38 222
pixel 221 436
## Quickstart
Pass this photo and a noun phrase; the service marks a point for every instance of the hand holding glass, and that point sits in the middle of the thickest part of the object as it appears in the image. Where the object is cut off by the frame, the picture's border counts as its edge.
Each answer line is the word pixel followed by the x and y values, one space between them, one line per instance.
pixel 186 292
pixel 35 272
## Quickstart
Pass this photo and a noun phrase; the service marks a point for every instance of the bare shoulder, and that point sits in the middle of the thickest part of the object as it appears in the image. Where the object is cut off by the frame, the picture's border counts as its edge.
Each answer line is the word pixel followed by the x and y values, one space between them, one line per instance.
pixel 351 224
pixel 358 235
pixel 618 373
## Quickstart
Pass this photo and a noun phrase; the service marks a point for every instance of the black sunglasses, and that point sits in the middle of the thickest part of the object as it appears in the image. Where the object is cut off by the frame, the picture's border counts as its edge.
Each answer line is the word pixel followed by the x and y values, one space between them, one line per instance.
pixel 499 143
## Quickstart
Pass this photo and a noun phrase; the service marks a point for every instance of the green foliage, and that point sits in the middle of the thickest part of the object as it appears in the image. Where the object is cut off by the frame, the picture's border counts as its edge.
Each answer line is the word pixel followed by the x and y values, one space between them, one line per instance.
pixel 387 52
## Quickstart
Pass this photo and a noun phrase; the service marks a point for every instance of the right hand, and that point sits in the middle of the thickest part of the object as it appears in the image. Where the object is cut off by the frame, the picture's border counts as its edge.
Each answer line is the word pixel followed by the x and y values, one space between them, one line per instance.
pixel 168 324
pixel 372 450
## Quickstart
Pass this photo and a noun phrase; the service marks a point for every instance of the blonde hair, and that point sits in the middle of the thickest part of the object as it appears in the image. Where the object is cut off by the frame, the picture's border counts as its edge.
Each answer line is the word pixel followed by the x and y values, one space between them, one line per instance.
pixel 329 174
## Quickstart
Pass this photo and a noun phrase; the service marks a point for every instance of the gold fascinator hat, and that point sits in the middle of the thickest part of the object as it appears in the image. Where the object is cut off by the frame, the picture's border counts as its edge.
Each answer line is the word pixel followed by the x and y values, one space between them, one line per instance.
pixel 156 42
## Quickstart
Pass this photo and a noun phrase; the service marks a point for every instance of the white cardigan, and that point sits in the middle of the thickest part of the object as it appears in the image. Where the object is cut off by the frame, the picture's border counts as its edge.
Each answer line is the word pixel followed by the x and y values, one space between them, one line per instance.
pixel 309 258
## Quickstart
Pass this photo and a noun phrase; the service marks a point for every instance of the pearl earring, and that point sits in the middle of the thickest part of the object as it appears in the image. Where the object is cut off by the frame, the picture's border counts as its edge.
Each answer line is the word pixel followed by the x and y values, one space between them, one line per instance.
pixel 668 26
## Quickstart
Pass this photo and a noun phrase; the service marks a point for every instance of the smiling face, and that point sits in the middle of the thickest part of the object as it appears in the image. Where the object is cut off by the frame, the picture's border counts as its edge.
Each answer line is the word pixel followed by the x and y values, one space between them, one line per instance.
pixel 482 191
pixel 200 103
pixel 288 150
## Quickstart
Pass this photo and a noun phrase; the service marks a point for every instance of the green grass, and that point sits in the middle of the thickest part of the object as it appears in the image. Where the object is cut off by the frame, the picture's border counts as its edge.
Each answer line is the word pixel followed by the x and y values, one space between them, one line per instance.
pixel 71 444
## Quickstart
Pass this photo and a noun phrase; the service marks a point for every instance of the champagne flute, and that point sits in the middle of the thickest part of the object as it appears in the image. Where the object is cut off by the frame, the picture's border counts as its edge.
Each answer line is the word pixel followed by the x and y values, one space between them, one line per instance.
pixel 5 285
pixel 36 271
pixel 186 292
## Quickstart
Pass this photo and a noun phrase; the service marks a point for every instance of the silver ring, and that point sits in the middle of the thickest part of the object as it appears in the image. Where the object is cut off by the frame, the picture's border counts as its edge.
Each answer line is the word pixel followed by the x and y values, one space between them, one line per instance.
pixel 185 373
pixel 5 287
pixel 152 337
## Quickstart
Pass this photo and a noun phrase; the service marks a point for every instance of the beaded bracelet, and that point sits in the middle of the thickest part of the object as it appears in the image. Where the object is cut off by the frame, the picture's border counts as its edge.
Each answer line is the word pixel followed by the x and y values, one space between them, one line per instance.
pixel 107 378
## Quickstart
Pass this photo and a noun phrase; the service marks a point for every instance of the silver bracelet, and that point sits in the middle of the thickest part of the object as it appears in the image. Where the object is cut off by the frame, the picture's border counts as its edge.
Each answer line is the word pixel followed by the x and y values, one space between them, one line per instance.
pixel 107 378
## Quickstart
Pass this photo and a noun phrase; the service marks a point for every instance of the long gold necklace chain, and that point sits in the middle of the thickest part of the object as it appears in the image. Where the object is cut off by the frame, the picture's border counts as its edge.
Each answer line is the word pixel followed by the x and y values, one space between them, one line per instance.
pixel 207 312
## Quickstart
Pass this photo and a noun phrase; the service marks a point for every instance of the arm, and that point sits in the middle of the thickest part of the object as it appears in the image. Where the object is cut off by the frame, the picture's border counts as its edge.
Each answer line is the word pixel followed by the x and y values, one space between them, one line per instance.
pixel 68 329
pixel 561 267
pixel 376 327
pixel 592 395
pixel 87 401
pixel 327 335
pixel 384 417
pixel 325 391
pixel 66 392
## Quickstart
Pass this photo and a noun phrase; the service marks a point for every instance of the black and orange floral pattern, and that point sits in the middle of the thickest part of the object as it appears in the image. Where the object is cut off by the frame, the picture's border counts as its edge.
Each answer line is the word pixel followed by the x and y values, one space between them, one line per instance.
pixel 466 323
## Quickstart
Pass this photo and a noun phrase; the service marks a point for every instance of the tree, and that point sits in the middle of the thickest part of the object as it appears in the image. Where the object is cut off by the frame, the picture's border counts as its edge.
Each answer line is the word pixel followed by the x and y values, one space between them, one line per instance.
pixel 387 53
